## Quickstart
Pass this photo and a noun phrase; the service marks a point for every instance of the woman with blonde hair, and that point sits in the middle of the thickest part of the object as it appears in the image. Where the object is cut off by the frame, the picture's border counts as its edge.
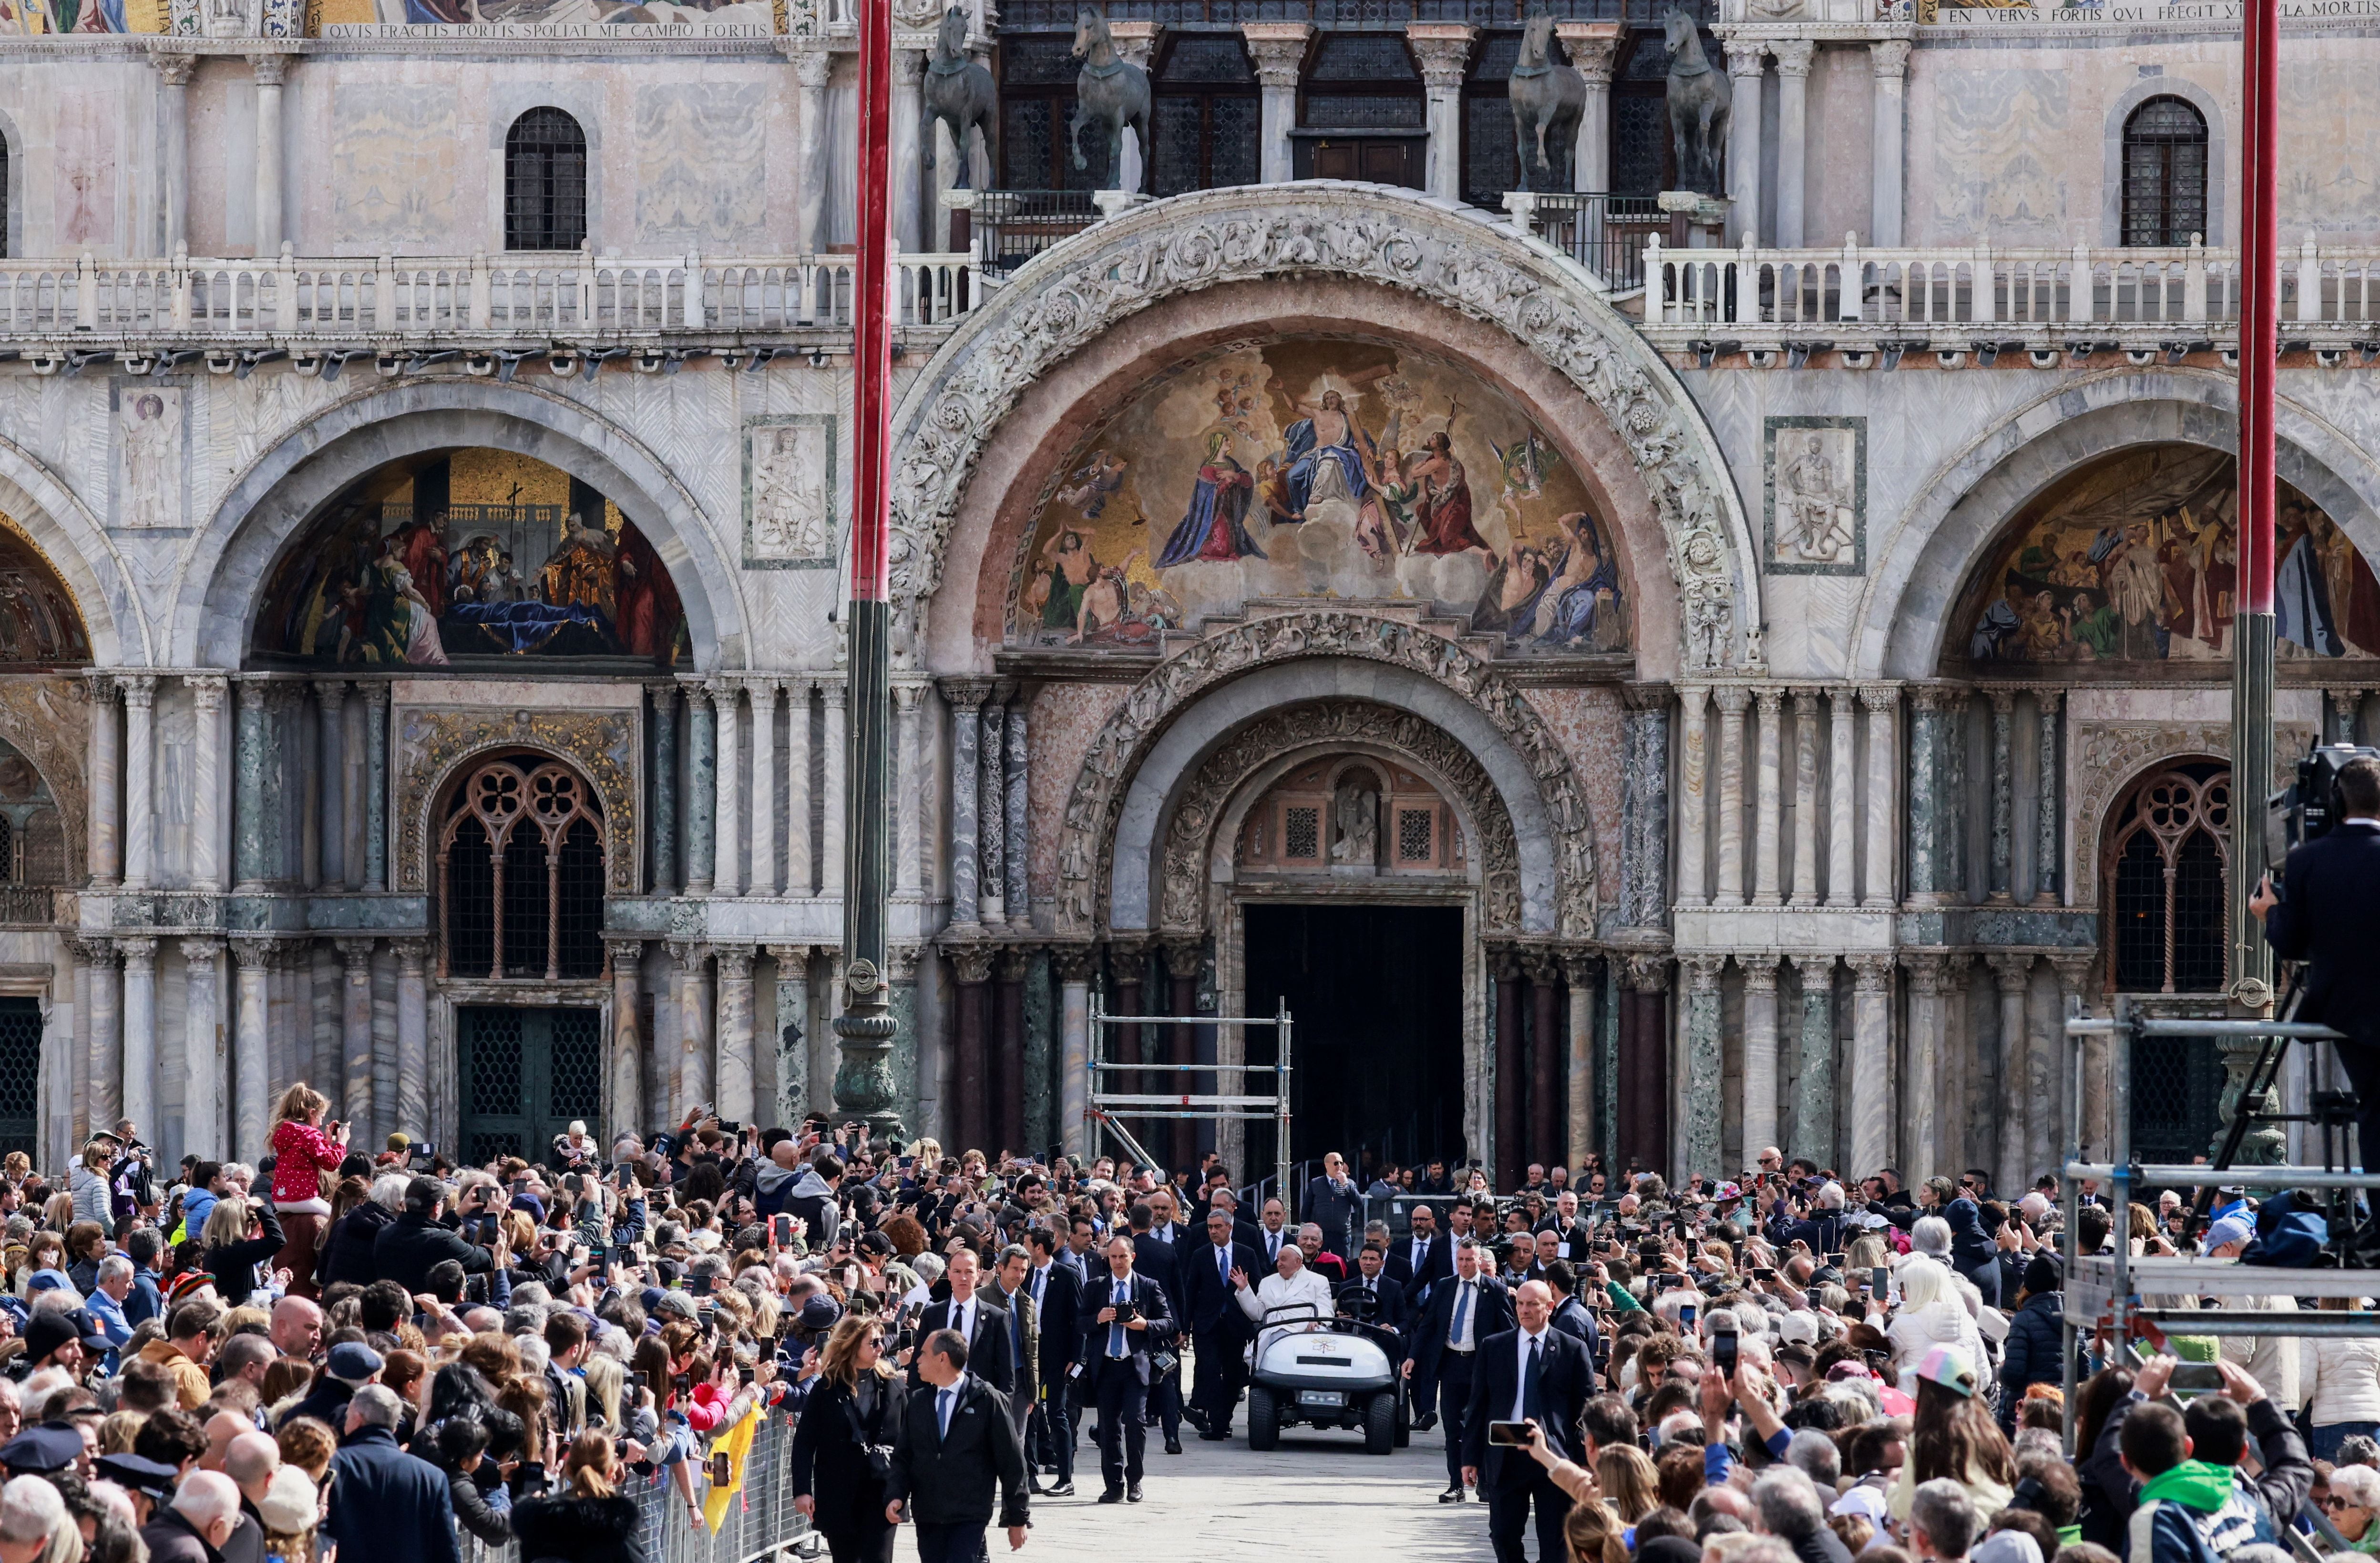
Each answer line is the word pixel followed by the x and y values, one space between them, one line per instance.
pixel 237 1238
pixel 588 1520
pixel 844 1438
pixel 1630 1486
pixel 303 1151
pixel 1593 1534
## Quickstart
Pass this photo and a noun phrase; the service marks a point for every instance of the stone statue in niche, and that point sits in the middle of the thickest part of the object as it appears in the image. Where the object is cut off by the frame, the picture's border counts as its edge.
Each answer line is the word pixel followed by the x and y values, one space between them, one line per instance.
pixel 1816 520
pixel 1702 102
pixel 1356 814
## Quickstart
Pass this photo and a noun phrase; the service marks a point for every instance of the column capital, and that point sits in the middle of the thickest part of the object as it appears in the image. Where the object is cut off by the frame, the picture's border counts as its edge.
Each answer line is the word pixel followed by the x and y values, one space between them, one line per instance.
pixel 909 66
pixel 2047 695
pixel 734 960
pixel 253 952
pixel 723 692
pixel 1442 49
pixel 689 953
pixel 173 65
pixel 1278 49
pixel 1929 971
pixel 793 960
pixel 1015 962
pixel 1760 970
pixel 1185 957
pixel 1794 55
pixel 1646 971
pixel 1746 57
pixel 1593 47
pixel 970 962
pixel 1880 696
pixel 1543 966
pixel 2002 697
pixel 624 951
pixel 1806 698
pixel 412 956
pixel 1871 971
pixel 2010 968
pixel 375 691
pixel 1073 961
pixel 1772 700
pixel 1888 58
pixel 906 697
pixel 1579 967
pixel 201 952
pixel 271 69
pixel 139 689
pixel 1939 697
pixel 2074 970
pixel 1733 698
pixel 140 952
pixel 207 690
pixel 1647 696
pixel 1137 41
pixel 1702 972
pixel 813 67
pixel 836 691
pixel 356 953
pixel 1812 967
pixel 101 953
pixel 966 693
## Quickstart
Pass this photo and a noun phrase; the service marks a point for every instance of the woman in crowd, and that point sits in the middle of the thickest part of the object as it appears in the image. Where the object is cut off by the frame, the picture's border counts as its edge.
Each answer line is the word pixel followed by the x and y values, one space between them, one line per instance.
pixel 303 1151
pixel 588 1520
pixel 844 1441
pixel 236 1239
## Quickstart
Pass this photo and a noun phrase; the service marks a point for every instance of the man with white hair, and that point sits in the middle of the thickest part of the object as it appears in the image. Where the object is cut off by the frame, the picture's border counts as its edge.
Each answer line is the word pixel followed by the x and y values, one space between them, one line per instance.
pixel 386 1505
pixel 30 1512
pixel 1291 1293
pixel 204 1513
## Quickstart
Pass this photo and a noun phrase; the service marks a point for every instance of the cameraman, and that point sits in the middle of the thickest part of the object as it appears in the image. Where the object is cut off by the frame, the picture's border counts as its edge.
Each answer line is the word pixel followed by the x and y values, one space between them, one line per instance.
pixel 2326 913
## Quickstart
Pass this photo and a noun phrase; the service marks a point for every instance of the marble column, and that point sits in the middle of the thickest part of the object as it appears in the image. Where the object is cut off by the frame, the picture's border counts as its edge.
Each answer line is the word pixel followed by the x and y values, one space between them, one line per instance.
pixel 1009 1049
pixel 909 791
pixel 2044 1050
pixel 1074 964
pixel 139 1095
pixel 1579 973
pixel 1761 1072
pixel 966 697
pixel 735 1088
pixel 139 788
pixel 765 856
pixel 1442 49
pixel 1645 807
pixel 2045 849
pixel 1135 43
pixel 1814 1086
pixel 106 827
pixel 412 1105
pixel 1748 61
pixel 2012 972
pixel 1020 758
pixel 1731 699
pixel 1643 1090
pixel 701 793
pixel 794 1093
pixel 727 870
pixel 970 1117
pixel 1871 1062
pixel 663 829
pixel 625 1093
pixel 1704 1064
pixel 173 68
pixel 813 68
pixel 691 1077
pixel 1805 796
pixel 1185 961
pixel 1548 1045
pixel 1693 801
pixel 375 875
pixel 1842 832
pixel 356 1038
pixel 1768 807
pixel 1882 700
pixel 2078 973
pixel 831 864
pixel 1593 48
pixel 801 875
pixel 2003 848
pixel 331 712
pixel 105 957
pixel 1889 61
pixel 1512 1077
pixel 202 1047
pixel 252 1066
pixel 1925 795
pixel 207 691
pixel 992 814
pixel 307 786
pixel 1793 58
pixel 1926 1154
pixel 1279 51
pixel 270 69
pixel 908 171
pixel 355 773
pixel 1950 791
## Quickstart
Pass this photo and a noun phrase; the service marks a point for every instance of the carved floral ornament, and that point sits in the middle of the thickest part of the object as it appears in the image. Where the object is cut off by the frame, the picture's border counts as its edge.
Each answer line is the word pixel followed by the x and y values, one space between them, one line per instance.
pixel 2108 757
pixel 1069 296
pixel 1419 743
pixel 1086 838
pixel 432 744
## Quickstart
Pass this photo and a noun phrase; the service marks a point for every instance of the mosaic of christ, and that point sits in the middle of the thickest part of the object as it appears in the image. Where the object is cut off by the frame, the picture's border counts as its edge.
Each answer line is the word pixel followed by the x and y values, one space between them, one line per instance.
pixel 1318 468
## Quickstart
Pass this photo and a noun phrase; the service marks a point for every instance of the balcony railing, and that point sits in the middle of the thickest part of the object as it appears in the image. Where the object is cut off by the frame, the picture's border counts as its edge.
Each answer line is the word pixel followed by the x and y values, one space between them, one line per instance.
pixel 568 297
pixel 1606 233
pixel 1013 227
pixel 1956 297
pixel 1045 14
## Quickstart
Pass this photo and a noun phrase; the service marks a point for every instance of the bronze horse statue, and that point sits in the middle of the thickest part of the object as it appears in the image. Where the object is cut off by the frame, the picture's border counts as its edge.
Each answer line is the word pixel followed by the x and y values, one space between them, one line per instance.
pixel 1110 89
pixel 1548 100
pixel 958 92
pixel 1702 102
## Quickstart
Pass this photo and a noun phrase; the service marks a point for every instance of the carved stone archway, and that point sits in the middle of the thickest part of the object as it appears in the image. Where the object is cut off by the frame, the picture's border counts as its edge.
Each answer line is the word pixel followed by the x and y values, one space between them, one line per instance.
pixel 2108 759
pixel 1203 814
pixel 1087 834
pixel 1451 255
pixel 434 747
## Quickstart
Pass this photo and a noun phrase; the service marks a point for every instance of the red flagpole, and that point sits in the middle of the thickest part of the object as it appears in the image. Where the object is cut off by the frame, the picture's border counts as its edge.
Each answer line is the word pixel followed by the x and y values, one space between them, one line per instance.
pixel 2252 621
pixel 873 338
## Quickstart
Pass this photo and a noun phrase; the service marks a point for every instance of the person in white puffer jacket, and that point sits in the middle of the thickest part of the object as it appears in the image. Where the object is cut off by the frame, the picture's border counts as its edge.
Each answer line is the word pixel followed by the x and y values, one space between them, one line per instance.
pixel 2341 1381
pixel 1930 1315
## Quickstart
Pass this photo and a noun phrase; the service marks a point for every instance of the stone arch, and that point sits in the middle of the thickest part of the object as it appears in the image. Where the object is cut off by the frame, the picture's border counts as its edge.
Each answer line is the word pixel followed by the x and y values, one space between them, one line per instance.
pixel 437 746
pixel 1208 810
pixel 48 722
pixel 1453 256
pixel 1137 761
pixel 74 542
pixel 1904 614
pixel 284 488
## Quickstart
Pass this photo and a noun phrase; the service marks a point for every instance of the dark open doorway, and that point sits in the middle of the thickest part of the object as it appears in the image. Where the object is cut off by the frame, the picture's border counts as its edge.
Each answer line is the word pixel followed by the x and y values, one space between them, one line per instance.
pixel 1375 995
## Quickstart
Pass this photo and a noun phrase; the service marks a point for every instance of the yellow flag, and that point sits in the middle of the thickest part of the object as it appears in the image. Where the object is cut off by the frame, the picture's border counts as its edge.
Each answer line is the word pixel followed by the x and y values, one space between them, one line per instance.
pixel 736 1445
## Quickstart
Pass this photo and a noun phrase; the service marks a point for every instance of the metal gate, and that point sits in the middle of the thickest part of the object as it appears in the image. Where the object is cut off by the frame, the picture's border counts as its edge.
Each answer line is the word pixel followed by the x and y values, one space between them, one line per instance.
pixel 20 1076
pixel 526 1074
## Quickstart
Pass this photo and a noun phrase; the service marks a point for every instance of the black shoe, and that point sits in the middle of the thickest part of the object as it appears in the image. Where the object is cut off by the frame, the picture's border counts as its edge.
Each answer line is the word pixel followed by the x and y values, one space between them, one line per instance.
pixel 1451 1494
pixel 1173 1446
pixel 1133 1492
pixel 1211 1436
pixel 1114 1494
pixel 1425 1421
pixel 1064 1489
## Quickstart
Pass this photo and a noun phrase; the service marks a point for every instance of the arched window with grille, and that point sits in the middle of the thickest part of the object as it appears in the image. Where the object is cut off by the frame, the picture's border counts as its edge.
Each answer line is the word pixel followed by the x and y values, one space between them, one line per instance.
pixel 545 182
pixel 2165 173
pixel 1207 115
pixel 2169 876
pixel 521 869
pixel 4 197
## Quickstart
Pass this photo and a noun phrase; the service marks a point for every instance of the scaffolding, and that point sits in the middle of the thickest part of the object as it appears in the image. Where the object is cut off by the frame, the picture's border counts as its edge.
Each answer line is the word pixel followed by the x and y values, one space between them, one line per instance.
pixel 1108 1108
pixel 2104 1292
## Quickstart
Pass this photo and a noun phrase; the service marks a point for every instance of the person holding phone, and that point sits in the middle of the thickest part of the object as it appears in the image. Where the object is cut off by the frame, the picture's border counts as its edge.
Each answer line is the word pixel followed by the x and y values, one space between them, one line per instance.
pixel 1533 1374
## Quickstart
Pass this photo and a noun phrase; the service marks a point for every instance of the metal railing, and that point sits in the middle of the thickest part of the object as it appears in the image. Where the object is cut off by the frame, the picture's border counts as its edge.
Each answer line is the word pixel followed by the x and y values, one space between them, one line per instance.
pixel 1606 233
pixel 1013 227
pixel 572 295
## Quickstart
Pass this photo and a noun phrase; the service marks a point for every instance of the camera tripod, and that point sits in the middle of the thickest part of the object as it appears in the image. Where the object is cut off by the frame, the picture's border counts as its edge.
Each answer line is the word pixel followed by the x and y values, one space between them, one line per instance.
pixel 2331 1112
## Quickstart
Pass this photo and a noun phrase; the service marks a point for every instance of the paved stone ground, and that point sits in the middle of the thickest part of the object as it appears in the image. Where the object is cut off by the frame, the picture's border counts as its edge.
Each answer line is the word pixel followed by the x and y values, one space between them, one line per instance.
pixel 1317 1498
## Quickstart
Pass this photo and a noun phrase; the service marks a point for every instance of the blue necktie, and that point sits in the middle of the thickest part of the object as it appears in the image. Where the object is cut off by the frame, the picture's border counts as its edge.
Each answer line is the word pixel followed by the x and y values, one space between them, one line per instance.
pixel 1533 1398
pixel 943 1409
pixel 1462 1307
pixel 1120 1294
pixel 1016 1329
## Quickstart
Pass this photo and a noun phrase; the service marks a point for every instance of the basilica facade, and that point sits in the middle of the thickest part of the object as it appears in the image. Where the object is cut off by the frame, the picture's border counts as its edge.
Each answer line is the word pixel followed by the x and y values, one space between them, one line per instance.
pixel 1647 673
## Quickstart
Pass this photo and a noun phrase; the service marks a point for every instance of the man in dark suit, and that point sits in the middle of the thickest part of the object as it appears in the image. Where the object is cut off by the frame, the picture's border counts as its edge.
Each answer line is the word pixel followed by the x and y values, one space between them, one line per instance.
pixel 1023 1337
pixel 1057 1293
pixel 1155 1256
pixel 1464 1310
pixel 1570 1315
pixel 1568 1233
pixel 2326 913
pixel 1415 1262
pixel 1126 1318
pixel 952 1448
pixel 1275 1232
pixel 1217 1328
pixel 1533 1374
pixel 975 1316
pixel 1372 1296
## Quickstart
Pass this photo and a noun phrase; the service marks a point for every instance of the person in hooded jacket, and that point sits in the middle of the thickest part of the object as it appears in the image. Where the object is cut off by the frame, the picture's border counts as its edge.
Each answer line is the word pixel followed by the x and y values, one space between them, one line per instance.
pixel 2030 1356
pixel 1972 1254
pixel 460 1450
pixel 814 1199
pixel 774 1180
pixel 347 1247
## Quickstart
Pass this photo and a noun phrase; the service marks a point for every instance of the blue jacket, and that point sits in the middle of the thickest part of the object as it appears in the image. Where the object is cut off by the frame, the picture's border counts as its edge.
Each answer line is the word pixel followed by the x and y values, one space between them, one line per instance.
pixel 2029 1355
pixel 386 1505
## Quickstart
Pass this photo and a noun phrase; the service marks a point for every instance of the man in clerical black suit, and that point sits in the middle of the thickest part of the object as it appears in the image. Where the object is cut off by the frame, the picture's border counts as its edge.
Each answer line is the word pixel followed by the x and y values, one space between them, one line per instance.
pixel 1464 1310
pixel 975 1314
pixel 1116 1350
pixel 1422 1259
pixel 2329 913
pixel 1217 1329
pixel 1535 1373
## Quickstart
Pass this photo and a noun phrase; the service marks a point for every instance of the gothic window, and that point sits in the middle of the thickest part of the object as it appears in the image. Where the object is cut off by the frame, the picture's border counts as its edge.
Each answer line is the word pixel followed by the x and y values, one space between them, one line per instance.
pixel 2168 877
pixel 2165 173
pixel 1206 129
pixel 521 866
pixel 1036 93
pixel 545 182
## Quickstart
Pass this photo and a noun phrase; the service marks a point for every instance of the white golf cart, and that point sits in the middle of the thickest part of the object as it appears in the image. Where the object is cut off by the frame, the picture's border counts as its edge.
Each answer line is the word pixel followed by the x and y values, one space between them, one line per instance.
pixel 1324 1373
